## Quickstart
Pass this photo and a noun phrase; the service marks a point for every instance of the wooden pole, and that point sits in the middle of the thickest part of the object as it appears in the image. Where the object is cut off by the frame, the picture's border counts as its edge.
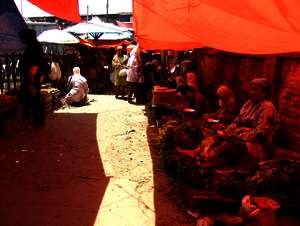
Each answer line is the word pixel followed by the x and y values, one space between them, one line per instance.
pixel 87 13
pixel 107 6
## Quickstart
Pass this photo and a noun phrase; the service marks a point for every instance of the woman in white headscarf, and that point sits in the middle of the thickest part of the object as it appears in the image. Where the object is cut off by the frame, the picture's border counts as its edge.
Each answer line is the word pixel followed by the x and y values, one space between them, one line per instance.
pixel 78 87
pixel 132 76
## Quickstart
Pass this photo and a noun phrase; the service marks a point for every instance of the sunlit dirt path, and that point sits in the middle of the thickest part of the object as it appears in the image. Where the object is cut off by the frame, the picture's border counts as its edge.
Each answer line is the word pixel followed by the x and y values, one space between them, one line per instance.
pixel 93 165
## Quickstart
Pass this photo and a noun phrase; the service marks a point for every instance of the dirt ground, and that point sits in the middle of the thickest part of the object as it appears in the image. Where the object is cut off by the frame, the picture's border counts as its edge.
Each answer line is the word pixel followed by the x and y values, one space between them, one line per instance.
pixel 93 165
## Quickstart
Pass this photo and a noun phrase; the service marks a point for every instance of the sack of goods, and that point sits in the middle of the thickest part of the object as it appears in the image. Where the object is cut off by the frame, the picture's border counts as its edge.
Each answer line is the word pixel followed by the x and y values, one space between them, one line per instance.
pixel 123 72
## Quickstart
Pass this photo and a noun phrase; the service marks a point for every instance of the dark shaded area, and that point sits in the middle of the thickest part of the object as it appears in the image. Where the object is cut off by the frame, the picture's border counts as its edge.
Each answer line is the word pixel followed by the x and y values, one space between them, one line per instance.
pixel 206 201
pixel 165 187
pixel 11 23
pixel 54 175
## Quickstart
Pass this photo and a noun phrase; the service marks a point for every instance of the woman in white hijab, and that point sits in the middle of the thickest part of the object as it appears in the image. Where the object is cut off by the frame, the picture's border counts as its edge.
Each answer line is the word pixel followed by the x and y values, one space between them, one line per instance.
pixel 78 87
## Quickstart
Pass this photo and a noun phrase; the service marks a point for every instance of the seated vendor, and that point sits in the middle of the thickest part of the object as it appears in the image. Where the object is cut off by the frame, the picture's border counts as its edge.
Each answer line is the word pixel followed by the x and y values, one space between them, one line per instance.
pixel 78 89
pixel 188 92
pixel 255 126
pixel 227 109
pixel 188 97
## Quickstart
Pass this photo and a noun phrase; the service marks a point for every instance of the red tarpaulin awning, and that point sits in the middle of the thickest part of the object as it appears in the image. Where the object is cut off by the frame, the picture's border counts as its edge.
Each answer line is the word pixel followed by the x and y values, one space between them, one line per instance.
pixel 242 26
pixel 65 9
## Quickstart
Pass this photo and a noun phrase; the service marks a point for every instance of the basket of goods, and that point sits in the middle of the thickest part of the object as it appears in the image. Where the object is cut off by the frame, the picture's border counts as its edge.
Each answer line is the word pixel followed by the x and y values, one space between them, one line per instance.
pixel 50 99
pixel 163 96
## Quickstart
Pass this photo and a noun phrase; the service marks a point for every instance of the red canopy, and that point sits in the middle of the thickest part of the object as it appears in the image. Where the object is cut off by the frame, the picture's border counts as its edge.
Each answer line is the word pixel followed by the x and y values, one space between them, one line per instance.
pixel 243 26
pixel 65 9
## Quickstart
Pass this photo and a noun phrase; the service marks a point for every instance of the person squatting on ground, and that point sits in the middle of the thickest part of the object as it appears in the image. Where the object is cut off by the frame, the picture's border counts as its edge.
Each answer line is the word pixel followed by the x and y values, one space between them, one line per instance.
pixel 119 75
pixel 78 89
pixel 33 67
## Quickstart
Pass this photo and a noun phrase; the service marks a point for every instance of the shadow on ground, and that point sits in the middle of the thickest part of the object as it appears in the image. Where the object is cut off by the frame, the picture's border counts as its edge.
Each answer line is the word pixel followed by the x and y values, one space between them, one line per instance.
pixel 54 175
pixel 168 197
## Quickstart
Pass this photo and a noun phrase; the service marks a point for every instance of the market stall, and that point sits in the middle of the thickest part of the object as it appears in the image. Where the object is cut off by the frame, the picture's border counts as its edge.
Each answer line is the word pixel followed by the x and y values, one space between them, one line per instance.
pixel 57 36
pixel 98 34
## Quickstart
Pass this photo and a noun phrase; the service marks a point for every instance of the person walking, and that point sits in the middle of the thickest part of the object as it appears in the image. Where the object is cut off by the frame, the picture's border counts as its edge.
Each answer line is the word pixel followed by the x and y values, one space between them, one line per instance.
pixel 33 67
pixel 132 77
pixel 118 64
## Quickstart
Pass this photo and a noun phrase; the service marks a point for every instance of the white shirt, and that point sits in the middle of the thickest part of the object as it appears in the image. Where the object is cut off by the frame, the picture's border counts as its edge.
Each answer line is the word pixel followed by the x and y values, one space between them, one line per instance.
pixel 132 64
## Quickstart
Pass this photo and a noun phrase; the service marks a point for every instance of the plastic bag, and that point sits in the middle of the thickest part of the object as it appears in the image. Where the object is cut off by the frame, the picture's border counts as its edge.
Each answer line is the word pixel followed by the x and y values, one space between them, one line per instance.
pixel 123 73
pixel 258 211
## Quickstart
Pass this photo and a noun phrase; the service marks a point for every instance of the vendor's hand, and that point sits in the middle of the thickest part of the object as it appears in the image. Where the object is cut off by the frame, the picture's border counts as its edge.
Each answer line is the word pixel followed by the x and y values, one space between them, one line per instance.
pixel 213 115
pixel 227 133
pixel 241 130
pixel 178 95
pixel 221 133
pixel 218 126
pixel 190 153
pixel 231 130
pixel 209 155
pixel 204 117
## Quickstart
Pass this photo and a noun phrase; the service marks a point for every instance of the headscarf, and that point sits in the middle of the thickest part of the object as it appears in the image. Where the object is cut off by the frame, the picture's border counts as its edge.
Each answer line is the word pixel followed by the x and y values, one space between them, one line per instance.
pixel 76 70
pixel 191 80
pixel 225 92
pixel 227 96
pixel 186 66
pixel 129 48
pixel 263 83
pixel 179 80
